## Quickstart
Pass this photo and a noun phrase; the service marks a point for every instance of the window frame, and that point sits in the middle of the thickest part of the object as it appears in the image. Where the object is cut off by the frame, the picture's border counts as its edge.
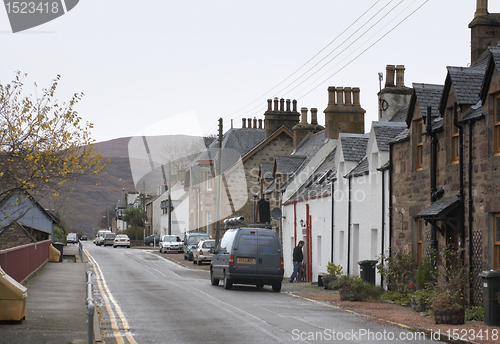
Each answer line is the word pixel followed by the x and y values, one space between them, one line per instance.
pixel 454 137
pixel 419 144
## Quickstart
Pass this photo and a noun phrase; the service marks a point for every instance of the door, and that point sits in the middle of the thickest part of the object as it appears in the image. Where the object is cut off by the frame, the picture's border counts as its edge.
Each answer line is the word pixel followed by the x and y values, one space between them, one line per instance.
pixel 269 253
pixel 245 253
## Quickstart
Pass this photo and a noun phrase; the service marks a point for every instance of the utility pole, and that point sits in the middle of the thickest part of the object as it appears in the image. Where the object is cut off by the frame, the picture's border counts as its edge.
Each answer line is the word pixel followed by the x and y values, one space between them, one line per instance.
pixel 219 183
pixel 169 201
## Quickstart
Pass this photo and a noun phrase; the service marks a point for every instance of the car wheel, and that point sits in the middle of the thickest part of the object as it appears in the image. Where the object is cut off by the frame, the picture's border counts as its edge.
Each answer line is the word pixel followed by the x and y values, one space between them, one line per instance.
pixel 114 246
pixel 128 246
pixel 190 258
pixel 277 287
pixel 199 262
pixel 259 286
pixel 213 280
pixel 227 282
pixel 151 244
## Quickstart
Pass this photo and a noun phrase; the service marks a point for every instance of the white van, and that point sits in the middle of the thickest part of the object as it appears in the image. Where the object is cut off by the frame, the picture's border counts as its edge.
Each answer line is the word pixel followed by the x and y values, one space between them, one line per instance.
pixel 99 238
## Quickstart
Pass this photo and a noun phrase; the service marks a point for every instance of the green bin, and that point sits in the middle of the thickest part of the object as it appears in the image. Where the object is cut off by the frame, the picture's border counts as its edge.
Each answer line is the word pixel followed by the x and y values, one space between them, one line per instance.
pixel 491 287
pixel 367 270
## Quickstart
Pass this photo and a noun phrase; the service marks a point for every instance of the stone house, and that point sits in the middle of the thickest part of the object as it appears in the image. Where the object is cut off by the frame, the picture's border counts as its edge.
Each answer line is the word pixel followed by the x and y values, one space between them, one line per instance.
pixel 445 171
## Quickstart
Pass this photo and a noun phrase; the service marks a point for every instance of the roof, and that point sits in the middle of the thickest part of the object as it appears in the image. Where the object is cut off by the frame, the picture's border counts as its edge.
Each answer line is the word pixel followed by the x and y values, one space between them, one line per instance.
pixel 426 95
pixel 266 170
pixel 361 169
pixel 386 132
pixel 402 136
pixel 439 209
pixel 310 144
pixel 288 164
pixel 400 115
pixel 353 145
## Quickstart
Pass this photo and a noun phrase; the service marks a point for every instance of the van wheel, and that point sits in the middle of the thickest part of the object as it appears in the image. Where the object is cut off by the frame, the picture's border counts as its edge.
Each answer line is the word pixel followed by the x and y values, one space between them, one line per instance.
pixel 151 244
pixel 277 287
pixel 194 262
pixel 227 282
pixel 213 280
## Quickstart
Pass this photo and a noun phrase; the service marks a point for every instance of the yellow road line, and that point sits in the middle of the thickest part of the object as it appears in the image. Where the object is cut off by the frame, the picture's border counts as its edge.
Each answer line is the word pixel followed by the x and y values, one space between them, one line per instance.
pixel 107 296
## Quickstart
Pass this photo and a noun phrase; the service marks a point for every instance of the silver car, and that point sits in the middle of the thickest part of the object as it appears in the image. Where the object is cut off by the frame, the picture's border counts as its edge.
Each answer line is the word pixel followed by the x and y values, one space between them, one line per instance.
pixel 202 252
pixel 171 243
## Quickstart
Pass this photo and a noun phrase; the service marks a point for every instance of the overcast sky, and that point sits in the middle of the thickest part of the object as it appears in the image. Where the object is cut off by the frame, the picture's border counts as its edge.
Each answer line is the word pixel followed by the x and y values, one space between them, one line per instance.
pixel 162 67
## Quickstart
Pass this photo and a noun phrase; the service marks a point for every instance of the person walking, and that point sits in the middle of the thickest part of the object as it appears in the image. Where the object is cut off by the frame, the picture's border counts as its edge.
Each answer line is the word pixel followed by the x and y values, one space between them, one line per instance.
pixel 298 257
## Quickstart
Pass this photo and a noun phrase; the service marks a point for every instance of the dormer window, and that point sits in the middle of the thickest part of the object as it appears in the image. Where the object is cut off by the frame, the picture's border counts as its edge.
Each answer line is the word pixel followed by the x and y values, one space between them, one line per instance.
pixel 419 144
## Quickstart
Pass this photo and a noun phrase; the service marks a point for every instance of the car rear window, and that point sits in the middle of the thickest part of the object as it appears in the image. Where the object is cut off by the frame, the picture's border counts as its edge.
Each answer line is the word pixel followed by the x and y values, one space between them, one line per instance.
pixel 267 244
pixel 247 244
pixel 109 236
pixel 208 244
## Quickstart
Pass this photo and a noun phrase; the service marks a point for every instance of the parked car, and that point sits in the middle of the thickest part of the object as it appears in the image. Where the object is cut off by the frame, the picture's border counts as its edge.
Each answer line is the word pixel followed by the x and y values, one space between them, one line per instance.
pixel 191 240
pixel 203 251
pixel 152 240
pixel 248 256
pixel 109 239
pixel 121 240
pixel 72 238
pixel 83 238
pixel 170 243
pixel 99 239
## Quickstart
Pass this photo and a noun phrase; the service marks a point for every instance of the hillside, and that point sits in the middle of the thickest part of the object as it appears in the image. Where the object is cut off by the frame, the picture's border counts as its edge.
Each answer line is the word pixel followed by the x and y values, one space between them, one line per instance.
pixel 87 200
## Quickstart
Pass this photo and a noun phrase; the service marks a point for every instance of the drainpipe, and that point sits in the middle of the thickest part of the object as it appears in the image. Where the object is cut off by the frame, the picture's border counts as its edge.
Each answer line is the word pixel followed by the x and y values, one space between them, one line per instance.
pixel 349 228
pixel 390 198
pixel 461 218
pixel 471 218
pixel 333 221
pixel 383 221
pixel 295 223
pixel 433 136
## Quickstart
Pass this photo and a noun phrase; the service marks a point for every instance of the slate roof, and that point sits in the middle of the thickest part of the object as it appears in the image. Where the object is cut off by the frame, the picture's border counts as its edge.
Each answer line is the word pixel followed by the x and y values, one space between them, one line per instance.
pixel 400 116
pixel 266 170
pixel 402 136
pixel 353 146
pixel 310 144
pixel 361 169
pixel 318 183
pixel 428 95
pixel 467 82
pixel 438 209
pixel 474 114
pixel 386 132
pixel 288 164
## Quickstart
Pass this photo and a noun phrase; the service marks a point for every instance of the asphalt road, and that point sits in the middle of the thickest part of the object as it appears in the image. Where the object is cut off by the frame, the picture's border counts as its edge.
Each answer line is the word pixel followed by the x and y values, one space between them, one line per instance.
pixel 145 298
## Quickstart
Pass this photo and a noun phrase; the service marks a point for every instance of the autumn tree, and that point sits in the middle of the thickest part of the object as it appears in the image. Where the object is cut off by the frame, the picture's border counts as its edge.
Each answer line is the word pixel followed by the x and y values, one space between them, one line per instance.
pixel 43 142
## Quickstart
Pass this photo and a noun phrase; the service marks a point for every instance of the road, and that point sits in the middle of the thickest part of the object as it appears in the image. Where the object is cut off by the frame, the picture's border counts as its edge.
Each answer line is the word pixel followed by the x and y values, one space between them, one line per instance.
pixel 146 298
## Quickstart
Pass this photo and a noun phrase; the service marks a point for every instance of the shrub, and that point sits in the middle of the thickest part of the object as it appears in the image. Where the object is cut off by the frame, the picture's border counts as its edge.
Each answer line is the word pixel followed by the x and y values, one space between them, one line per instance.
pixel 334 269
pixel 423 296
pixel 398 271
pixel 474 314
pixel 426 273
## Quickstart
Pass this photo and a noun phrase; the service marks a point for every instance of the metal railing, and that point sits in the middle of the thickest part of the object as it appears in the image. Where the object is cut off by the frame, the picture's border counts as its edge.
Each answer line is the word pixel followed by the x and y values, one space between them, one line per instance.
pixel 90 309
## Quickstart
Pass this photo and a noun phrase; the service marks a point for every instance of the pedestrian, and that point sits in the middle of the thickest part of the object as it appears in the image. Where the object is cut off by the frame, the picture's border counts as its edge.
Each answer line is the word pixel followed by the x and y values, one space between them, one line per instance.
pixel 298 257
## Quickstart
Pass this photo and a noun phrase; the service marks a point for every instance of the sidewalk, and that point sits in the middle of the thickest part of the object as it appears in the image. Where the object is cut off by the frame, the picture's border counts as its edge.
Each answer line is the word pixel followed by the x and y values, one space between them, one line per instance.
pixel 56 311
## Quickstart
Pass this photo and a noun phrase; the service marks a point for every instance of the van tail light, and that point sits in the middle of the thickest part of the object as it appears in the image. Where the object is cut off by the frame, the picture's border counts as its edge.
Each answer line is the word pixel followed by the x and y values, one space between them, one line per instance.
pixel 231 260
pixel 282 264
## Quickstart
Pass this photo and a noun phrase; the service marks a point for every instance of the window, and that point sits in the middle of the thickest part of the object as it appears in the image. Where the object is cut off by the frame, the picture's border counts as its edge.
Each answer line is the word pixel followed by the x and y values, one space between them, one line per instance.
pixel 454 138
pixel 420 235
pixel 496 263
pixel 209 222
pixel 419 144
pixel 496 132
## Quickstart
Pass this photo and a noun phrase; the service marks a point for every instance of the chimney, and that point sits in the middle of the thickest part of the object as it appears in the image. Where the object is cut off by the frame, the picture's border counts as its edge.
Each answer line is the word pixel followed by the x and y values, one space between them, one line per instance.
pixel 331 96
pixel 244 124
pixel 269 105
pixel 314 116
pixel 294 102
pixel 355 97
pixel 303 119
pixel 347 95
pixel 249 123
pixel 481 8
pixel 340 95
pixel 389 75
pixel 260 123
pixel 275 103
pixel 400 76
pixel 288 105
pixel 255 123
pixel 282 104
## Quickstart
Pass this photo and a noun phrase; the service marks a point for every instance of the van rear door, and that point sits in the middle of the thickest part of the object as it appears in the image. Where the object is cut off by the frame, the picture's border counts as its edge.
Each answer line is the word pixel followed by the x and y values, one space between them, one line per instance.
pixel 269 254
pixel 245 252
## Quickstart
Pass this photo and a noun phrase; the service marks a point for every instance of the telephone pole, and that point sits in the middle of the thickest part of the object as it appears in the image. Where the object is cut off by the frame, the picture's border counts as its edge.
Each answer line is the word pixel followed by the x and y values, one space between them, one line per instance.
pixel 219 183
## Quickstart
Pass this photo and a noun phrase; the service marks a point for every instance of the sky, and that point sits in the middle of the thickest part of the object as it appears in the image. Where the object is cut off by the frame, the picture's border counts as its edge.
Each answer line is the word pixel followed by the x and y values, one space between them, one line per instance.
pixel 162 67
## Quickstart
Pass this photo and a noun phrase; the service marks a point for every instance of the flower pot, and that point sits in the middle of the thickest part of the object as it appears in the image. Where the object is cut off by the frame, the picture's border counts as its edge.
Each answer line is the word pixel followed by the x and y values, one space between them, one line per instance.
pixel 418 308
pixel 451 317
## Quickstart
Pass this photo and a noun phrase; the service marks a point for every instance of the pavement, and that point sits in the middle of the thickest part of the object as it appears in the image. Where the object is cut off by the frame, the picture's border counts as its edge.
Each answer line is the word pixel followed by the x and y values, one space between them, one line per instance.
pixel 56 310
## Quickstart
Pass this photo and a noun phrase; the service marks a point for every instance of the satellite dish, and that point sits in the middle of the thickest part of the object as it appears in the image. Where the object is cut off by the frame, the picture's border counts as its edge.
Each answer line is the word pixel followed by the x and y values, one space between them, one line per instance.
pixel 276 213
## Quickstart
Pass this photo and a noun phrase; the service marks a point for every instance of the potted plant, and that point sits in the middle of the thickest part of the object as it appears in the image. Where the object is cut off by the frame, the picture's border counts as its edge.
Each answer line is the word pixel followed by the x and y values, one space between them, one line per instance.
pixel 420 299
pixel 334 271
pixel 447 303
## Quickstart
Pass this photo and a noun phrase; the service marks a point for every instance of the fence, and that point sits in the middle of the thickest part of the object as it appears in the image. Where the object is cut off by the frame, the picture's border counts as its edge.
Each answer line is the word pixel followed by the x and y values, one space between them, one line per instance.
pixel 19 262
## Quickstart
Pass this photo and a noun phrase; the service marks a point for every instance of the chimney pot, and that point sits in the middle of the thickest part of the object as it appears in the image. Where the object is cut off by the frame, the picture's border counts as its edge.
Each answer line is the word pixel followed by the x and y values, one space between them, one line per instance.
pixel 389 75
pixel 340 95
pixel 347 95
pixel 304 115
pixel 255 123
pixel 355 96
pixel 294 103
pixel 269 105
pixel 400 76
pixel 249 123
pixel 275 103
pixel 288 105
pixel 260 123
pixel 282 104
pixel 331 96
pixel 244 123
pixel 481 8
pixel 314 116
